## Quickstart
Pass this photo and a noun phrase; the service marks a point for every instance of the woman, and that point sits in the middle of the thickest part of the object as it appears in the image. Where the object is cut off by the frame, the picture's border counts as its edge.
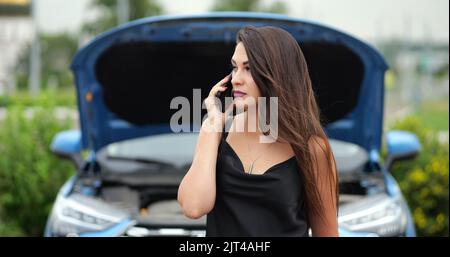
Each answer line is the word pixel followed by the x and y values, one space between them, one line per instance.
pixel 250 188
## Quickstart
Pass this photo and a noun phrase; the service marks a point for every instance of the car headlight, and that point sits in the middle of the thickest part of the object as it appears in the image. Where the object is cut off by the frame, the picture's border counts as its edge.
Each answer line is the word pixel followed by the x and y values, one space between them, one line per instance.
pixel 85 218
pixel 78 214
pixel 386 217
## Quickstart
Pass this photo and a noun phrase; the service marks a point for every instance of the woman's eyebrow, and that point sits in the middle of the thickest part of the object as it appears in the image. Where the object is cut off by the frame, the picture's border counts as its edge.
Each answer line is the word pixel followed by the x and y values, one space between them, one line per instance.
pixel 234 62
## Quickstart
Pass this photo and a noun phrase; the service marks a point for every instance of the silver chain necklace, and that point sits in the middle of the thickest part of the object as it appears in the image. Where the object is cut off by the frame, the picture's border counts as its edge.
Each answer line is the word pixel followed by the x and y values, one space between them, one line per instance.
pixel 250 169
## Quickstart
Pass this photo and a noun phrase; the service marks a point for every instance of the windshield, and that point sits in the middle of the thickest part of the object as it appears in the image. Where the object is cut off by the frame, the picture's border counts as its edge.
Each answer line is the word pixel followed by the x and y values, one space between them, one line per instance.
pixel 176 149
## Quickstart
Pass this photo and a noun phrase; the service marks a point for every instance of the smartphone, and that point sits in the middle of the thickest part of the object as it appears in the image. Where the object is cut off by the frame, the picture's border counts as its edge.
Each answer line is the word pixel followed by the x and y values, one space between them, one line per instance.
pixel 227 93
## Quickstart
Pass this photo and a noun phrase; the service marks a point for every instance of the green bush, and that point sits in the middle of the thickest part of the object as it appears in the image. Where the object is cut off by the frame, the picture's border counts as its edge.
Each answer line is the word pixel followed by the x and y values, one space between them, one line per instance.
pixel 30 175
pixel 424 181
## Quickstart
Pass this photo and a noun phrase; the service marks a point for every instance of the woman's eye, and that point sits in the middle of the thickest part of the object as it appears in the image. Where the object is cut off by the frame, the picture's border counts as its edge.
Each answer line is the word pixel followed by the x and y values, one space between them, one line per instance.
pixel 234 68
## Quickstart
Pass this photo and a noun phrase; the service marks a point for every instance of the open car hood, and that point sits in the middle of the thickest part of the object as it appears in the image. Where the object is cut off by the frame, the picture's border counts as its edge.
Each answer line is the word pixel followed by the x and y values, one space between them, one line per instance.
pixel 127 77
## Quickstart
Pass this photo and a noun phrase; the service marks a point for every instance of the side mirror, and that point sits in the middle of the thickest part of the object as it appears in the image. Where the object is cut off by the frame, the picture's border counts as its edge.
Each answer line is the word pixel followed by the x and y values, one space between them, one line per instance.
pixel 401 145
pixel 67 145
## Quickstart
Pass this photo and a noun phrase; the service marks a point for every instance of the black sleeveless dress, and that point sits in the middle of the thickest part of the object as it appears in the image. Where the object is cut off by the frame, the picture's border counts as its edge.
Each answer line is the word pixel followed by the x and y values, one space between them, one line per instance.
pixel 270 204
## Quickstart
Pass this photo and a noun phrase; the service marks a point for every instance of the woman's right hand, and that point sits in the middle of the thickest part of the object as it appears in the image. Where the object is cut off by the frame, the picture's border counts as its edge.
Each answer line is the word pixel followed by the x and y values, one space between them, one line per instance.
pixel 197 190
pixel 215 115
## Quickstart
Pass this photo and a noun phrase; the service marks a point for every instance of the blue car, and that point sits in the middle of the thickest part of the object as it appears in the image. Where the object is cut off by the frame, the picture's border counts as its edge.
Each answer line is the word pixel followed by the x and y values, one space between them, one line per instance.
pixel 126 184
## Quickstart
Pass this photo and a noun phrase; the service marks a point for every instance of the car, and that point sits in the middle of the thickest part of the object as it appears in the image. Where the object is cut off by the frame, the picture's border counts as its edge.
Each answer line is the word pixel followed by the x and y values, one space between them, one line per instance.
pixel 130 161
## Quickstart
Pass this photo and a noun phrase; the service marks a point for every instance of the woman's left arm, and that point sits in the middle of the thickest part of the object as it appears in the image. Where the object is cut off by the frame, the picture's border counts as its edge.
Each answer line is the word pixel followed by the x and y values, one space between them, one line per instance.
pixel 325 226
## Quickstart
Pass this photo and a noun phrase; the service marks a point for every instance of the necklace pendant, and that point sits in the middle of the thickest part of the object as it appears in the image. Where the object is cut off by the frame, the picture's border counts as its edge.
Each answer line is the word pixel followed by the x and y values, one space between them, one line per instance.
pixel 250 169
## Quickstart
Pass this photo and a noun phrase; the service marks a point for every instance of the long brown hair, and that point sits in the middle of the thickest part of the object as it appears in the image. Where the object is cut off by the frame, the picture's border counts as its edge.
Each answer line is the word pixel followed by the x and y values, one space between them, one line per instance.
pixel 279 68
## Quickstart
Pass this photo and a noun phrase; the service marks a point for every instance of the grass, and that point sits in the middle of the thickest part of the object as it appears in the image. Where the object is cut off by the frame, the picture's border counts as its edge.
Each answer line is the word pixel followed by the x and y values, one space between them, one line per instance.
pixel 59 97
pixel 435 114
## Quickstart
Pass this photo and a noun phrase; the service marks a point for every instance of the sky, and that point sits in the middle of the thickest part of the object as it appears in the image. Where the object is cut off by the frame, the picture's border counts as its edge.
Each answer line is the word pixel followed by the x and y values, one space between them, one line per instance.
pixel 367 19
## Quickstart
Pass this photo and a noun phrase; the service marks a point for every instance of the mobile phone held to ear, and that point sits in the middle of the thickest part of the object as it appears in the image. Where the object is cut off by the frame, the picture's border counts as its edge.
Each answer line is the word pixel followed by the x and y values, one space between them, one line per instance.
pixel 227 93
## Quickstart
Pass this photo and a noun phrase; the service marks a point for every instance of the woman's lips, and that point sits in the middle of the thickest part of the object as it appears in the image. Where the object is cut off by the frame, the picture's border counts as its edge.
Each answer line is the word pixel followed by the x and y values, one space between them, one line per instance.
pixel 238 94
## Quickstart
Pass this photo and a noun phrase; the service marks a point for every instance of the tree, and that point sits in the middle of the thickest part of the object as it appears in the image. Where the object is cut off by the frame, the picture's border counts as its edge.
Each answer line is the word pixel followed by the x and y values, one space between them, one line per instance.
pixel 249 6
pixel 57 51
pixel 108 17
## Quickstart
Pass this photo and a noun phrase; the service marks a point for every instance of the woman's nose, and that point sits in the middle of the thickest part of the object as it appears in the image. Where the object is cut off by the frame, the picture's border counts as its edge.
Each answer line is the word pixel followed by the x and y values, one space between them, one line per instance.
pixel 236 79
